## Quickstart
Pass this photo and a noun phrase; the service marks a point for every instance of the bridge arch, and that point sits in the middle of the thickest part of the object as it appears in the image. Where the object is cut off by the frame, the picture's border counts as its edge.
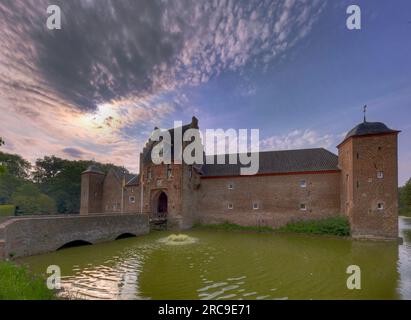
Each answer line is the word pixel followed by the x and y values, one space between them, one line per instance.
pixel 74 243
pixel 125 235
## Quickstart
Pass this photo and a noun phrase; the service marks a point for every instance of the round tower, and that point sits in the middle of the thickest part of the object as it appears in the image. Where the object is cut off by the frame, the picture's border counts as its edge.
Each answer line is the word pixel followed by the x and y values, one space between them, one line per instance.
pixel 368 159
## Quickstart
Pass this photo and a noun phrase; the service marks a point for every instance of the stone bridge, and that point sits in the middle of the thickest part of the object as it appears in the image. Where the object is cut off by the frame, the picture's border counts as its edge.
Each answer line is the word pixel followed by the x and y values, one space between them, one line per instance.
pixel 25 236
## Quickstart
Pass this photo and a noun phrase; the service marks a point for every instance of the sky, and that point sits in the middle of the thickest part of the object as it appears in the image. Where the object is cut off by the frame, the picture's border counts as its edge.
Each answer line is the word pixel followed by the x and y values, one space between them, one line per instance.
pixel 96 88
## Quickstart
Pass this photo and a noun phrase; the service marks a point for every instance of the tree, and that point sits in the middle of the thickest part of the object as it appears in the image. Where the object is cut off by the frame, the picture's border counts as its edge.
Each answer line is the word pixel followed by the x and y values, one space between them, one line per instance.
pixel 2 168
pixel 61 180
pixel 15 165
pixel 8 185
pixel 29 201
pixel 405 198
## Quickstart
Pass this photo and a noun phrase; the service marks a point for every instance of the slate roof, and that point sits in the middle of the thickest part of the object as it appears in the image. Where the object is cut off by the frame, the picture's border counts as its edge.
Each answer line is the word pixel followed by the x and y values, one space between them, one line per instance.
pixel 304 160
pixel 93 169
pixel 134 180
pixel 366 128
pixel 129 177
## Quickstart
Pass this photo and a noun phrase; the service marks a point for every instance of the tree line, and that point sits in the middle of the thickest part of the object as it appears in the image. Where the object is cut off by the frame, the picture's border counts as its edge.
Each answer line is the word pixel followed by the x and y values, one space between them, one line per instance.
pixel 51 185
pixel 405 199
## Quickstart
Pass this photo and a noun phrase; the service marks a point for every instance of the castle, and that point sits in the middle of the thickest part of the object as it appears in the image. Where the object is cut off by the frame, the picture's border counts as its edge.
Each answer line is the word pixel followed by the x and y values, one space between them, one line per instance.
pixel 360 183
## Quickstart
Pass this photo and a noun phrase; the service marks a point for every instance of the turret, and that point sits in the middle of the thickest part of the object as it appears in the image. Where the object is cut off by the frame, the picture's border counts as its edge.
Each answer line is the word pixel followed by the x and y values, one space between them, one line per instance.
pixel 369 180
pixel 91 190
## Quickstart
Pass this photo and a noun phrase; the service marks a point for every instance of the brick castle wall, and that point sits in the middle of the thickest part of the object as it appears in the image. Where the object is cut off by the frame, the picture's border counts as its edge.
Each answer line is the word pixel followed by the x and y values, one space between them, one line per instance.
pixel 278 198
pixel 361 158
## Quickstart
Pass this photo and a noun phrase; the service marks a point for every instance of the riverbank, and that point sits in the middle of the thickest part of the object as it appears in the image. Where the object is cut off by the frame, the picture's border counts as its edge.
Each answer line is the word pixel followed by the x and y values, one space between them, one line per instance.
pixel 337 226
pixel 17 283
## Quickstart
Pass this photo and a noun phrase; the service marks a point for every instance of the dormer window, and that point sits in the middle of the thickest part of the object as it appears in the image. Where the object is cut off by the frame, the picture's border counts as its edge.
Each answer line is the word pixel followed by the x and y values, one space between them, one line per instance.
pixel 380 174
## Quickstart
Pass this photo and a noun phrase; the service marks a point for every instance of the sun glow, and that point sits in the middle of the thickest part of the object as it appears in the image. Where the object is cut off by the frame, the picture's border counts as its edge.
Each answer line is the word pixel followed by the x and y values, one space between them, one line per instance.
pixel 106 118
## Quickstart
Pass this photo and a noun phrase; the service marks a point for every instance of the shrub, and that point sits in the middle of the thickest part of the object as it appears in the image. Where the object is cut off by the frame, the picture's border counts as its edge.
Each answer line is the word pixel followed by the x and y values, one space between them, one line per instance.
pixel 334 226
pixel 7 210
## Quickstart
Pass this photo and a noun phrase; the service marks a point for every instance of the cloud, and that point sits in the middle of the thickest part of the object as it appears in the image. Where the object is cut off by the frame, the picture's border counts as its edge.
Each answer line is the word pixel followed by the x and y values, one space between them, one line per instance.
pixel 73 152
pixel 298 139
pixel 115 69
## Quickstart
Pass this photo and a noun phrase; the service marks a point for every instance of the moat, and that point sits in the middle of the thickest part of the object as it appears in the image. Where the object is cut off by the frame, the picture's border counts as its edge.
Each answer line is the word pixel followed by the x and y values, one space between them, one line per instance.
pixel 232 265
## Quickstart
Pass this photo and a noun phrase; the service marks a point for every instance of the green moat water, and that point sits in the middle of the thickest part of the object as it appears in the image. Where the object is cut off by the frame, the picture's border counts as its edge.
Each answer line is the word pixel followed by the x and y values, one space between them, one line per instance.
pixel 233 265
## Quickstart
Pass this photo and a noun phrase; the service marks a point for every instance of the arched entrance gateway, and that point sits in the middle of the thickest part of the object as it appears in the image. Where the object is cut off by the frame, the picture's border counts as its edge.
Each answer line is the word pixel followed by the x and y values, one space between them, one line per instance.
pixel 162 203
pixel 159 211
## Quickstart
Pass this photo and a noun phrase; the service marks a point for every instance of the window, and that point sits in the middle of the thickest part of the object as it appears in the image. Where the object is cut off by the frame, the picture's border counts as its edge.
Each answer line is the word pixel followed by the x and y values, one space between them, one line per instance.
pixel 303 207
pixel 149 174
pixel 159 182
pixel 169 171
pixel 132 199
pixel 380 206
pixel 132 190
pixel 380 174
pixel 190 172
pixel 230 206
pixel 303 184
pixel 255 206
pixel 230 186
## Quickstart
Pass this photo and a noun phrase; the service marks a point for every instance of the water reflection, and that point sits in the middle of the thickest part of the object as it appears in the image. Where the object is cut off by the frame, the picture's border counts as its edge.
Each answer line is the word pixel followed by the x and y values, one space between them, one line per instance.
pixel 221 265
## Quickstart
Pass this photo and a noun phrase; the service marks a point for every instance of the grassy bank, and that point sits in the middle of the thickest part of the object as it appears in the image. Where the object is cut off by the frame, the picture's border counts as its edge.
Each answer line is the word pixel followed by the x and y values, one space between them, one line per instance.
pixel 7 210
pixel 226 226
pixel 338 226
pixel 16 283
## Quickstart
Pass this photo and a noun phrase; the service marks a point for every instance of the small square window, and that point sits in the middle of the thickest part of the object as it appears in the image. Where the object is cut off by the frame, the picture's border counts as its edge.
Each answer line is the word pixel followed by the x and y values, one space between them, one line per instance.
pixel 230 186
pixel 159 182
pixel 132 199
pixel 230 206
pixel 303 184
pixel 380 174
pixel 255 206
pixel 303 207
pixel 380 206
